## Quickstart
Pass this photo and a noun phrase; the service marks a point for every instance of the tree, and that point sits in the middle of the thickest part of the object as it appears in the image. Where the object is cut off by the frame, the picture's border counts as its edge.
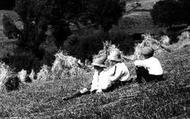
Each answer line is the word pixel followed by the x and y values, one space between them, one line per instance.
pixel 37 15
pixel 61 14
pixel 105 12
pixel 171 12
pixel 7 4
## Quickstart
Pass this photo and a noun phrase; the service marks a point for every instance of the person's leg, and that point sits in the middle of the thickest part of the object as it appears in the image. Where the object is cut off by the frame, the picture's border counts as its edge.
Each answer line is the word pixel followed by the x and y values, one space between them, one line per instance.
pixel 112 86
pixel 84 91
pixel 142 73
pixel 160 78
pixel 156 78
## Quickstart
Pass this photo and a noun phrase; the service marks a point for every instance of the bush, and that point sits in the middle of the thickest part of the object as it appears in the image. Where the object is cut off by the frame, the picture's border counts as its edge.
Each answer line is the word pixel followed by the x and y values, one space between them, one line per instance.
pixel 23 61
pixel 86 45
pixel 10 29
pixel 169 12
pixel 7 4
pixel 124 41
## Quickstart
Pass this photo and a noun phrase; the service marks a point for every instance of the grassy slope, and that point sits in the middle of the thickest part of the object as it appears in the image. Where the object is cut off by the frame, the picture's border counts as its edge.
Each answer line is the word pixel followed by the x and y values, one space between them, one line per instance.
pixel 165 99
pixel 139 20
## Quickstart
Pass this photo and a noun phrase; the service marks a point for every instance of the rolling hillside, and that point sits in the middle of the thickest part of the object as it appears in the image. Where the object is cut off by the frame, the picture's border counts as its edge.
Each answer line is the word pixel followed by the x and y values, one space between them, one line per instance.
pixel 139 19
pixel 168 99
pixel 165 99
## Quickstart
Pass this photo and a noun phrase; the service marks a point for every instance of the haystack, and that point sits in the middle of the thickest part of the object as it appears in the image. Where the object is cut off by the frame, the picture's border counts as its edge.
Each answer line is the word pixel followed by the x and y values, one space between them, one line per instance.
pixel 32 75
pixel 44 73
pixel 149 41
pixel 63 61
pixel 8 80
pixel 22 75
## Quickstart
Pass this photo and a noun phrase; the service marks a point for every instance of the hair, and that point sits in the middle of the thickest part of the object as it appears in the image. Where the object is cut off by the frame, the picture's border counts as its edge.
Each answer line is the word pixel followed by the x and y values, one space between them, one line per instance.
pixel 149 55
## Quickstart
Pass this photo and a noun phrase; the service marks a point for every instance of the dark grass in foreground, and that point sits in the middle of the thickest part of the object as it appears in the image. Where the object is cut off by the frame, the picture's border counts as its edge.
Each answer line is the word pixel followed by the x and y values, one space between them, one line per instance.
pixel 164 99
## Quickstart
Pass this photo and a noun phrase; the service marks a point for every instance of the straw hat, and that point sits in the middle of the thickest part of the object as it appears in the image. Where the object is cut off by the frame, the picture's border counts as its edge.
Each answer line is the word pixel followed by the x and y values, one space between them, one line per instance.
pixel 115 55
pixel 147 51
pixel 99 61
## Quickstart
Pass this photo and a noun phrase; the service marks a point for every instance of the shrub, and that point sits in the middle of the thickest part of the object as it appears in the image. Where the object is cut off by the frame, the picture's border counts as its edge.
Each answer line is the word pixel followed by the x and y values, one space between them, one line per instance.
pixel 21 61
pixel 170 12
pixel 8 4
pixel 10 29
pixel 37 14
pixel 86 45
pixel 123 40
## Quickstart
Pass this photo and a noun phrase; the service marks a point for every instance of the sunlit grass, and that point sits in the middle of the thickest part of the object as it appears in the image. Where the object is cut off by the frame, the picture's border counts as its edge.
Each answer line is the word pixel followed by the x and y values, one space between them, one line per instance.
pixel 165 99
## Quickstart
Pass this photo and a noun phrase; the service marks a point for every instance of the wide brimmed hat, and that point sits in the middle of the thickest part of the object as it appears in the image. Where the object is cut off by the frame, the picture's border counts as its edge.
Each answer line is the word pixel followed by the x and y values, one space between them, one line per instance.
pixel 147 51
pixel 115 55
pixel 99 61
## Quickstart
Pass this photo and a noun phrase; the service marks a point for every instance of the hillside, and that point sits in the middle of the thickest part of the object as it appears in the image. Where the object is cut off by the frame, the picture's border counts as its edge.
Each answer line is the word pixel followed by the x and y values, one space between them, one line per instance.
pixel 139 20
pixel 164 99
pixel 7 46
pixel 168 99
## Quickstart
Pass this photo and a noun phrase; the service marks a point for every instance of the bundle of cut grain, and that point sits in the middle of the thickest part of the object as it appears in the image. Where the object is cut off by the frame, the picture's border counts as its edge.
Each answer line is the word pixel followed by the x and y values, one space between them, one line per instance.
pixel 184 36
pixel 148 41
pixel 5 74
pixel 165 40
pixel 63 61
pixel 108 47
pixel 22 75
pixel 32 75
pixel 44 73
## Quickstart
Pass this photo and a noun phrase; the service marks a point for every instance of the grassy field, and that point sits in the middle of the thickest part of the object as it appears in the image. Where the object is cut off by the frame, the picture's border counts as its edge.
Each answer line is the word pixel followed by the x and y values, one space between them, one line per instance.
pixel 164 99
pixel 139 20
pixel 160 100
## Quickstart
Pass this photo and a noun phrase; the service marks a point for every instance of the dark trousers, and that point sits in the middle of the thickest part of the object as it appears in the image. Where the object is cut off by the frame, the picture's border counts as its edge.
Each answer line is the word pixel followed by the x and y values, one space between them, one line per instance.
pixel 143 73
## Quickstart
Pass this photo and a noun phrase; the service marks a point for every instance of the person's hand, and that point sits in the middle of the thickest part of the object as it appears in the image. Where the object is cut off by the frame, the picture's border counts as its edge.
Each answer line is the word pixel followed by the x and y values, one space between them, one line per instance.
pixel 84 90
pixel 92 90
pixel 99 91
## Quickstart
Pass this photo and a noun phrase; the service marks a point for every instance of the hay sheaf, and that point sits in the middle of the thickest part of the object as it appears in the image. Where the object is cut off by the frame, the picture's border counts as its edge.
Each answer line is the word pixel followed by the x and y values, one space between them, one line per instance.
pixel 5 73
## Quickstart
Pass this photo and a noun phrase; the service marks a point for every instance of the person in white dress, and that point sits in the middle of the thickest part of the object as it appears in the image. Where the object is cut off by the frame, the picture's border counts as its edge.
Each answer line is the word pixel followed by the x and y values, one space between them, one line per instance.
pixel 98 77
pixel 118 74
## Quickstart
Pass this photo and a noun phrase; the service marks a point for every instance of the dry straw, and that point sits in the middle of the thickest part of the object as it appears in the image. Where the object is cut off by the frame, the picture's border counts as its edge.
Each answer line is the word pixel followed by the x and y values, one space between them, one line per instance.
pixel 5 73
pixel 44 73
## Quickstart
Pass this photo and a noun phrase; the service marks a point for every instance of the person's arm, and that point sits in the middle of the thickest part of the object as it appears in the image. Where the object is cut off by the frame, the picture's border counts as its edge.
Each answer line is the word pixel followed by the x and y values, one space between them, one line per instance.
pixel 117 74
pixel 139 63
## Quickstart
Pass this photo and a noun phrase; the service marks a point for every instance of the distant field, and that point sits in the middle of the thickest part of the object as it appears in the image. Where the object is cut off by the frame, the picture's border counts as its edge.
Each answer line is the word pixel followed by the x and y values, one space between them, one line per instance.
pixel 7 46
pixel 139 20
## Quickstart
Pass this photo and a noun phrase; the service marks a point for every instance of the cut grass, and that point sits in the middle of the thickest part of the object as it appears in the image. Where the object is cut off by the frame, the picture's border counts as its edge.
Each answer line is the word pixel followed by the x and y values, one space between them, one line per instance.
pixel 164 99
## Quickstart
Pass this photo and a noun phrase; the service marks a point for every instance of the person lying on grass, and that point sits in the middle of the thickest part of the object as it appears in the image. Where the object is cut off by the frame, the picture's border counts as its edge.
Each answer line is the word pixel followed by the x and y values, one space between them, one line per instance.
pixel 149 68
pixel 118 74
pixel 98 77
pixel 105 80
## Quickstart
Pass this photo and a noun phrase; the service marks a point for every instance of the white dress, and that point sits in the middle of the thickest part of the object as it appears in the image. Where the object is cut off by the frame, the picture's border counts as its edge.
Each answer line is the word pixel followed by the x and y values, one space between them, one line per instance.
pixel 106 78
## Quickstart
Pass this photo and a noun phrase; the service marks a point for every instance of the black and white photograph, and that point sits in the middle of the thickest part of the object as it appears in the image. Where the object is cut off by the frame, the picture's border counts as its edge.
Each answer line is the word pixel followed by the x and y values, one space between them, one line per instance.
pixel 94 59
